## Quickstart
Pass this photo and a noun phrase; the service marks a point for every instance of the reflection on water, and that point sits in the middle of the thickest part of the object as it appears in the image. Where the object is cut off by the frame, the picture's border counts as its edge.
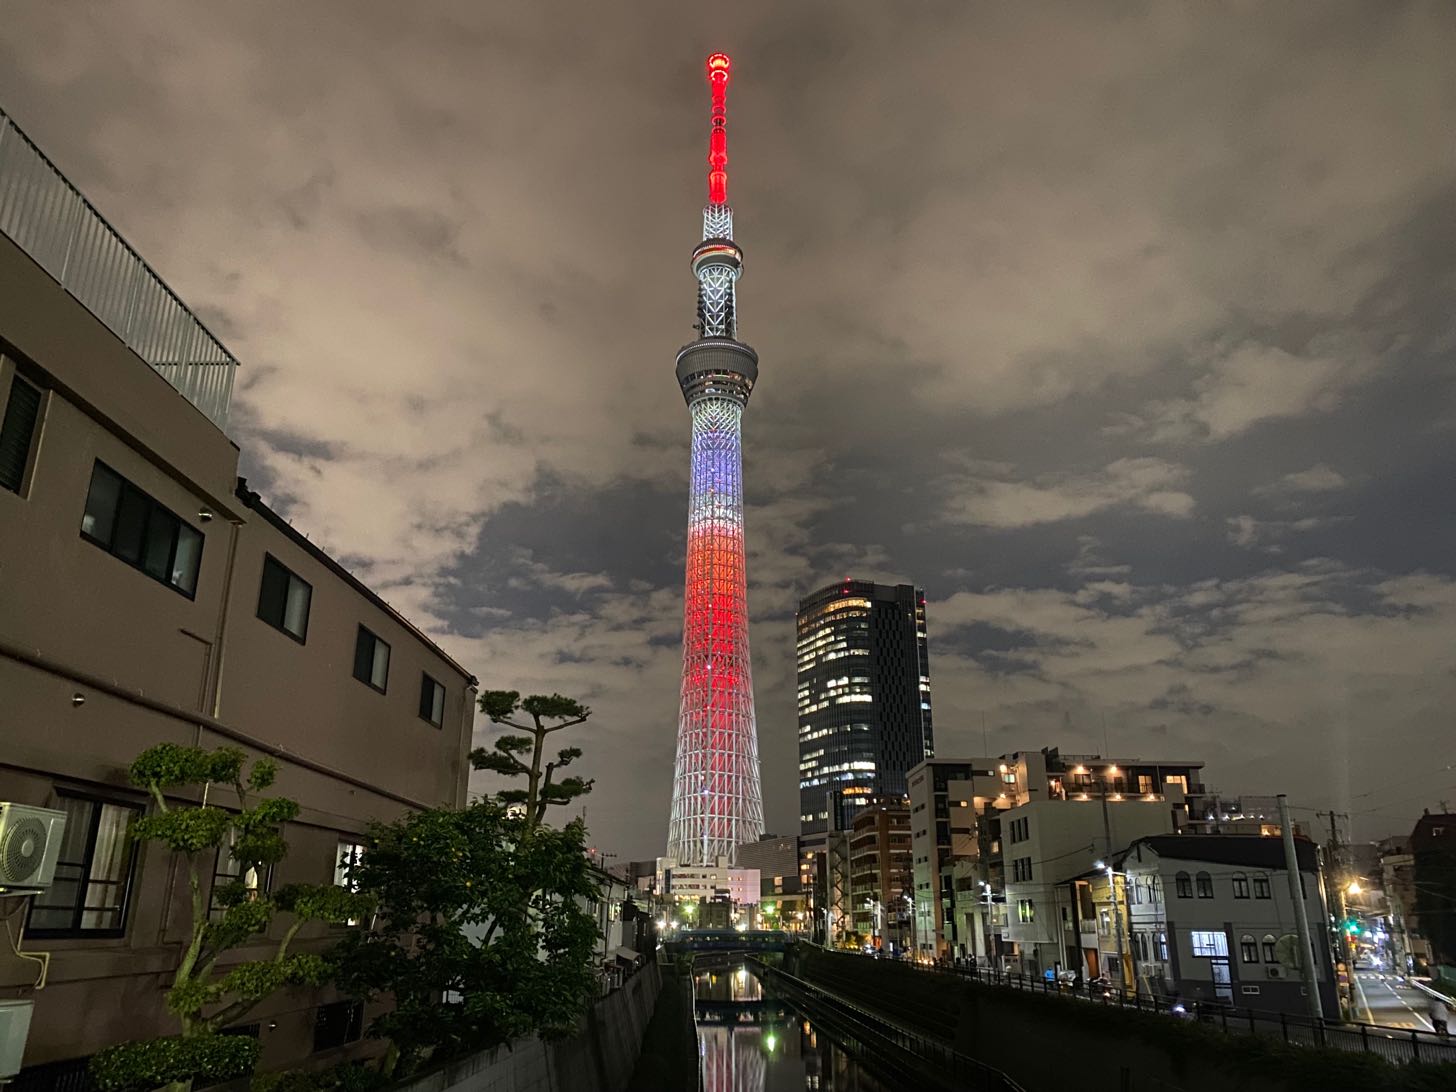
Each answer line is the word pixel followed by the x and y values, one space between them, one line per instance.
pixel 751 1041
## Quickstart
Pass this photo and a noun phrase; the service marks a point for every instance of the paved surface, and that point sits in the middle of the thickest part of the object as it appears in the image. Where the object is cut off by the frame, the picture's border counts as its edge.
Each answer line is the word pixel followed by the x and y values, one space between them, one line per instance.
pixel 1385 999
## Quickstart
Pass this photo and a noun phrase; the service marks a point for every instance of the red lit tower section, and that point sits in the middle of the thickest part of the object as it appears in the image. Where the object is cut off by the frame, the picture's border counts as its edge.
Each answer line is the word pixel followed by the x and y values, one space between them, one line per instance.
pixel 717 804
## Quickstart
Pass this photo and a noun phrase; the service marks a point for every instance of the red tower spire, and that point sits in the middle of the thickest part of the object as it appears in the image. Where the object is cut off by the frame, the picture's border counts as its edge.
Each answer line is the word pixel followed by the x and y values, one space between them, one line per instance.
pixel 719 70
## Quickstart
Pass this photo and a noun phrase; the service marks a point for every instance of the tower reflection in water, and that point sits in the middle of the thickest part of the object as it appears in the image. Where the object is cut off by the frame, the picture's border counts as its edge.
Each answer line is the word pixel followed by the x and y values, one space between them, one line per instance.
pixel 751 1041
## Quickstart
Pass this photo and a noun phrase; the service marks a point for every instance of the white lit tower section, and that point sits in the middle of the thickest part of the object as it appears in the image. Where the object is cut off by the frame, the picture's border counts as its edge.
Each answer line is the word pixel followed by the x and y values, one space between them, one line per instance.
pixel 716 801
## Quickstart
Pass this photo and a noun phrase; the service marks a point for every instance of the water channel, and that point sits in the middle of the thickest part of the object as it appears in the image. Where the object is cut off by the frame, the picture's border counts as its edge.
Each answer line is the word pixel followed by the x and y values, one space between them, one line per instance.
pixel 751 1041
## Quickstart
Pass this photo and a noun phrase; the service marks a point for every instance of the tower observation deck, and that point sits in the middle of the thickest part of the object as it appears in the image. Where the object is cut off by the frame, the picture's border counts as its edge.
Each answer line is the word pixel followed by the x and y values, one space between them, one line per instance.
pixel 717 804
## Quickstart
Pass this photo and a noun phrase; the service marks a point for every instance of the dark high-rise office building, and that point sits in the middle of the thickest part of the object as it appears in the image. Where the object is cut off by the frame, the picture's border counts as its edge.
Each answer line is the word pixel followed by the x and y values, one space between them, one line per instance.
pixel 864 697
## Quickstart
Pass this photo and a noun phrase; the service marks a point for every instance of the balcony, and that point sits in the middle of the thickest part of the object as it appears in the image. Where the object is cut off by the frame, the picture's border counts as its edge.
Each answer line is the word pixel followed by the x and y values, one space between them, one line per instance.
pixel 45 216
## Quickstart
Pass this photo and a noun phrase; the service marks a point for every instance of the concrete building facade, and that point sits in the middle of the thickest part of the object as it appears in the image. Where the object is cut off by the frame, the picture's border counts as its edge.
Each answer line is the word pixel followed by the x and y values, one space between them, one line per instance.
pixel 148 596
pixel 881 882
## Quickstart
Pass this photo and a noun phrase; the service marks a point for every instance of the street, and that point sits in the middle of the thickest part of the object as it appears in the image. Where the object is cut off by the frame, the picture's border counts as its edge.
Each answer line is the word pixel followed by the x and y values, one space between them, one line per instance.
pixel 1386 999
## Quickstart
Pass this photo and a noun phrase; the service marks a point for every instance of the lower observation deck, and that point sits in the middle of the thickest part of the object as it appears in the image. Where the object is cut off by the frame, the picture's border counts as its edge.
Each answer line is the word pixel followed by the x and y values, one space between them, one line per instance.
pixel 720 366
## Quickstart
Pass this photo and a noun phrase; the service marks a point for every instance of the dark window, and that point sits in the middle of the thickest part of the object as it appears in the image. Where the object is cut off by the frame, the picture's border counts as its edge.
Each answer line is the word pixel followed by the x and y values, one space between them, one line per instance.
pixel 93 872
pixel 1205 886
pixel 1268 943
pixel 1241 886
pixel 371 660
pixel 1248 950
pixel 337 1024
pixel 17 433
pixel 432 701
pixel 1183 884
pixel 129 524
pixel 283 599
pixel 1261 887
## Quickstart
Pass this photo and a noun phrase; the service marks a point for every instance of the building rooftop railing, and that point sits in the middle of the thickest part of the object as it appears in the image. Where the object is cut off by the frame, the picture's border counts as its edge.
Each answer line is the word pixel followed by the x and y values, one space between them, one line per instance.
pixel 49 219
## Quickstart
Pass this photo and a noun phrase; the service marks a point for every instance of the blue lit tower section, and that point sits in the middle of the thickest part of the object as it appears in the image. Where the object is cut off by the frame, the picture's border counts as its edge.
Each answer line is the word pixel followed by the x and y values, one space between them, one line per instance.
pixel 716 801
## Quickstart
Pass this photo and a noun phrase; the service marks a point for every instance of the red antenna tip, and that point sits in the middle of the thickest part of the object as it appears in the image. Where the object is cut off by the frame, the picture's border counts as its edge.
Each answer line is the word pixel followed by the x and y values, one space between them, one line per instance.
pixel 719 70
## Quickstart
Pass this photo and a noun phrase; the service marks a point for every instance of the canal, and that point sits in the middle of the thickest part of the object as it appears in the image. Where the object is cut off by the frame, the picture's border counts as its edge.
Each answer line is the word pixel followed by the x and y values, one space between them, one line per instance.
pixel 752 1041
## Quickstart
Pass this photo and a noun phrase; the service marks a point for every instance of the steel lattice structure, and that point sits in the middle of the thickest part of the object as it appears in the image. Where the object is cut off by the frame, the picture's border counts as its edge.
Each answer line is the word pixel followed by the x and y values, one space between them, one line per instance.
pixel 716 801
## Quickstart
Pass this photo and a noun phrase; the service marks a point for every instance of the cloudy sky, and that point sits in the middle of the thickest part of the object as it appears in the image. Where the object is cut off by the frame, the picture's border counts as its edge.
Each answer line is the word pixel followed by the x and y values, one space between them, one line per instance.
pixel 1125 330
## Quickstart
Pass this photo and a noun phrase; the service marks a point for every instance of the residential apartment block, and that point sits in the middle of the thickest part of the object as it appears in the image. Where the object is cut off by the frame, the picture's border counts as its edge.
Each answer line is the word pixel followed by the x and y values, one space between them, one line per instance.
pixel 881 883
pixel 147 596
pixel 992 837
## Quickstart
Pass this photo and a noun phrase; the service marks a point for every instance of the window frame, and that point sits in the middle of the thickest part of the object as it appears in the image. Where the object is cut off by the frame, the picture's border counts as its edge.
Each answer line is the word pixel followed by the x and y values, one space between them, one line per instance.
pixel 1241 885
pixel 1203 883
pixel 76 931
pixel 1248 948
pixel 365 631
pixel 1261 880
pixel 32 445
pixel 224 853
pixel 126 486
pixel 1183 885
pixel 353 1023
pixel 1203 949
pixel 428 680
pixel 1267 944
pixel 289 579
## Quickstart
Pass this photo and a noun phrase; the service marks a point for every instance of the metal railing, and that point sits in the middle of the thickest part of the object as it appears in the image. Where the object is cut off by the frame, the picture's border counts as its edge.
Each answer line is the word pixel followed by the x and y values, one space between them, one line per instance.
pixel 1391 1043
pixel 903 1052
pixel 49 219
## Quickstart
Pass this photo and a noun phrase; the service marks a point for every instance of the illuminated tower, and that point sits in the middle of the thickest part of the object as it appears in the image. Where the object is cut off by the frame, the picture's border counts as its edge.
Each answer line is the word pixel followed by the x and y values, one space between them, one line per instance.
pixel 716 802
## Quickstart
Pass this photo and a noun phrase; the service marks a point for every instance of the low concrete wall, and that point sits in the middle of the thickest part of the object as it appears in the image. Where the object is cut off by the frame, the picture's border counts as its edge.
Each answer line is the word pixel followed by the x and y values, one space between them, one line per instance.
pixel 600 1057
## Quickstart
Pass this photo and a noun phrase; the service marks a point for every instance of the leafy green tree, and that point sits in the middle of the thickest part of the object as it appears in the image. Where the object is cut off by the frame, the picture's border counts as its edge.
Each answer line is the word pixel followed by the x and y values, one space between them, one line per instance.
pixel 203 998
pixel 480 934
pixel 547 714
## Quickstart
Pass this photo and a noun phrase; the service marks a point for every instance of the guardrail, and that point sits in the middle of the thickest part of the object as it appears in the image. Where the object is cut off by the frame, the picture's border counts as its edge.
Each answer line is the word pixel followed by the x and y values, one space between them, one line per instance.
pixel 49 219
pixel 1399 1045
pixel 887 1045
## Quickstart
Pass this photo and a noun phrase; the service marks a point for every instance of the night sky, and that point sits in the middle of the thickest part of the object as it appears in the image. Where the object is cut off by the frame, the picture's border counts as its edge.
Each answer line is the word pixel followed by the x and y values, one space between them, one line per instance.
pixel 1126 330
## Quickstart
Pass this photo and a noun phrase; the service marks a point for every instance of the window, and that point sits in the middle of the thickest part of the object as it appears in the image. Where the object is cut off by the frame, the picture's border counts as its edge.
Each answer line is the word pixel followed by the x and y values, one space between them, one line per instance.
pixel 17 433
pixel 1241 886
pixel 130 525
pixel 226 871
pixel 1021 869
pixel 1205 886
pixel 1208 944
pixel 93 872
pixel 1025 911
pixel 336 1024
pixel 1248 950
pixel 348 856
pixel 283 599
pixel 1160 947
pixel 1261 886
pixel 1183 884
pixel 371 660
pixel 1268 944
pixel 432 701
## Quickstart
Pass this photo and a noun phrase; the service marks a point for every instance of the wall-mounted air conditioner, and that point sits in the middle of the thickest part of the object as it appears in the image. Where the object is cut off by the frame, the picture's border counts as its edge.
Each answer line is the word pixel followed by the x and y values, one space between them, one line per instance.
pixel 30 842
pixel 1276 971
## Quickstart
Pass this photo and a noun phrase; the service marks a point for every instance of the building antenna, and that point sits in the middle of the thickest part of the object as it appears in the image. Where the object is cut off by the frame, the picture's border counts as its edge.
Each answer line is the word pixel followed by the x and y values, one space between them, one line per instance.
pixel 1106 751
pixel 985 745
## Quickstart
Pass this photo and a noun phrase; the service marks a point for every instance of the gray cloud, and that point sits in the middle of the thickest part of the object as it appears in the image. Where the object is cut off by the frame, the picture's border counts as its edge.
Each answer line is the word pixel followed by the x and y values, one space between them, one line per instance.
pixel 1070 316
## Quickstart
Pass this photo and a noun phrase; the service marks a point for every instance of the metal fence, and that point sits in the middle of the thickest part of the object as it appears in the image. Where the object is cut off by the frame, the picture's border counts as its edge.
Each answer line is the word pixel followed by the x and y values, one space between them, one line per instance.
pixel 51 221
pixel 905 1052
pixel 1394 1044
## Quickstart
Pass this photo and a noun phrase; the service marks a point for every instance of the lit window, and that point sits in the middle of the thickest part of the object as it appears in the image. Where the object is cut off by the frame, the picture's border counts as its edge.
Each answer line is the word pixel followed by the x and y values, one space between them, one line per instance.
pixel 1208 944
pixel 1248 950
pixel 90 893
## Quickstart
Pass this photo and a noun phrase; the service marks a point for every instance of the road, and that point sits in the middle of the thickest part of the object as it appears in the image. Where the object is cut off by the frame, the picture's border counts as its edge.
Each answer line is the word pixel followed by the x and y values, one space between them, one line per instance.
pixel 1384 999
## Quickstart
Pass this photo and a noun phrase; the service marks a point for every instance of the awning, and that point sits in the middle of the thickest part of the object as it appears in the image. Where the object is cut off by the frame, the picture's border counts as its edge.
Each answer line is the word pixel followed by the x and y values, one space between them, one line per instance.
pixel 627 955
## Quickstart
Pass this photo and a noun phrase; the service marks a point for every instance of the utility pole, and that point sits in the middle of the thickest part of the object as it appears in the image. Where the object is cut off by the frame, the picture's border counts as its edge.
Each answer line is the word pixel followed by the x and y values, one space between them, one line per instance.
pixel 1112 887
pixel 1301 921
pixel 1343 945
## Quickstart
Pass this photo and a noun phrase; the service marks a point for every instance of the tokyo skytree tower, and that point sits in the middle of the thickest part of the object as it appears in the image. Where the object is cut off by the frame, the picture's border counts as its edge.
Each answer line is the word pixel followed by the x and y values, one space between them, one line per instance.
pixel 716 801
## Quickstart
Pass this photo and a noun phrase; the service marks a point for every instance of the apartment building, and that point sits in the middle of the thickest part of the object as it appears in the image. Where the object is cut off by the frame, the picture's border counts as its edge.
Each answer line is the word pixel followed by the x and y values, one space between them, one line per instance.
pixel 1210 917
pixel 786 880
pixel 992 837
pixel 147 595
pixel 881 887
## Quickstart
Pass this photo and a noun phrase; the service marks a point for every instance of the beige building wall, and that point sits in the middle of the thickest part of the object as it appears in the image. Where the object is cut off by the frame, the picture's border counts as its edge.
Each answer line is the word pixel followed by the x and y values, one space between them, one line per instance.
pixel 99 660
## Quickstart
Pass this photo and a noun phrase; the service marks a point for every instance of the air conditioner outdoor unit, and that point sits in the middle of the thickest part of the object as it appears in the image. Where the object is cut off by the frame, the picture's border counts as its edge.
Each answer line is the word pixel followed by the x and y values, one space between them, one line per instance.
pixel 14 1030
pixel 30 842
pixel 1275 972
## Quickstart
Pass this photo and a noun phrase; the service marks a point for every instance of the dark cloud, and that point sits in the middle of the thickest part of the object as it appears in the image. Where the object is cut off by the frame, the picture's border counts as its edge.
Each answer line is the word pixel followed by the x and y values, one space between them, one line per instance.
pixel 1124 331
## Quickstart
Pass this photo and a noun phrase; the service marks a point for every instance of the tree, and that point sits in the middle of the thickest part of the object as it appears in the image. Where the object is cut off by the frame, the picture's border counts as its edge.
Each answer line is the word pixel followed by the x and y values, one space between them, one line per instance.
pixel 547 715
pixel 480 935
pixel 203 1000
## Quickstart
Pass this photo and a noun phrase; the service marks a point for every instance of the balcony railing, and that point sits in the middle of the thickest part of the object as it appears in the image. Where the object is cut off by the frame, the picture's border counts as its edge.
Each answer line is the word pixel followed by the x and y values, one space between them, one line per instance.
pixel 46 216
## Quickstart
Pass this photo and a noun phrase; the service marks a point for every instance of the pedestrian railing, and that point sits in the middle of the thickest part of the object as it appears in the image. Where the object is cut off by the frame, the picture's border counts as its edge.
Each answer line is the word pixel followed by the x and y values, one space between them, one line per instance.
pixel 1393 1044
pixel 49 219
pixel 908 1054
